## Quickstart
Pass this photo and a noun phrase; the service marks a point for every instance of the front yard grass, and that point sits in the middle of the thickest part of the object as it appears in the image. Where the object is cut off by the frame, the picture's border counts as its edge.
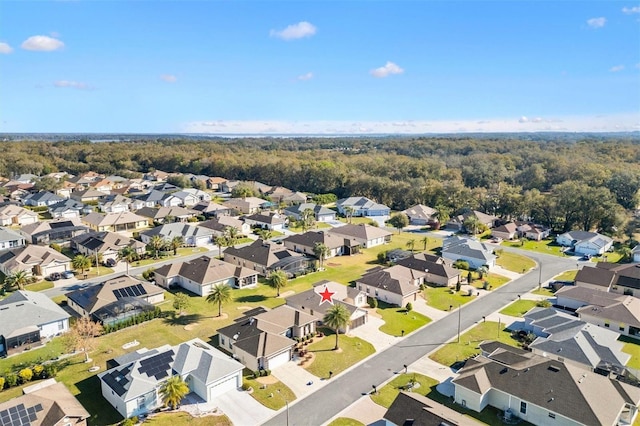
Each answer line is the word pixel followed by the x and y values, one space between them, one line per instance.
pixel 453 352
pixel 94 272
pixel 441 298
pixel 544 246
pixel 515 262
pixel 345 421
pixel 494 281
pixel 271 395
pixel 182 418
pixel 352 350
pixel 317 225
pixel 544 291
pixel 518 308
pixel 388 393
pixel 566 275
pixel 398 319
pixel 182 251
pixel 632 347
pixel 39 286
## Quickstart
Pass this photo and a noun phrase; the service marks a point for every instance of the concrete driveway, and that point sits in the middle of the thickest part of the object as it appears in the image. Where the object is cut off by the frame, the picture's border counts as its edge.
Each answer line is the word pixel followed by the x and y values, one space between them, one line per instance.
pixel 242 409
pixel 297 379
pixel 371 333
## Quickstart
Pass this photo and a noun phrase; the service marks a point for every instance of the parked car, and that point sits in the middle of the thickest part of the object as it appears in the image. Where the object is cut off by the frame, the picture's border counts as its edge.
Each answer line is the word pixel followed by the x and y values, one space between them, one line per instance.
pixel 586 257
pixel 67 274
pixel 55 276
pixel 110 263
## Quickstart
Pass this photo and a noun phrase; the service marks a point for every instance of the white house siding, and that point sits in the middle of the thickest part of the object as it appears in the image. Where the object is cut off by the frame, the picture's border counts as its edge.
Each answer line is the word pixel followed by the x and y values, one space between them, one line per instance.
pixel 503 235
pixel 245 358
pixel 535 414
pixel 621 328
pixel 113 399
pixel 568 303
pixel 326 217
pixel 386 296
pixel 473 262
pixel 468 398
pixel 375 242
pixel 278 360
pixel 156 299
pixel 54 328
pixel 55 267
pixel 564 241
pixel 69 214
pixel 590 248
pixel 223 385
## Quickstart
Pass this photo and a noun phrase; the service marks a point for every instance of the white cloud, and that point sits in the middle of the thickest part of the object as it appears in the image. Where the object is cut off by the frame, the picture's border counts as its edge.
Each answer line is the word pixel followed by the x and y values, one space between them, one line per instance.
pixel 295 31
pixel 597 22
pixel 169 78
pixel 616 68
pixel 631 10
pixel 388 69
pixel 5 48
pixel 523 119
pixel 72 85
pixel 42 43
pixel 304 77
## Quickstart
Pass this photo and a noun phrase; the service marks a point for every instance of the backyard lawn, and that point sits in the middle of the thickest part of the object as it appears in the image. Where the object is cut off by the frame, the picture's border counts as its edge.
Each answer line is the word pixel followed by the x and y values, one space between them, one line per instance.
pixel 453 352
pixel 632 347
pixel 352 350
pixel 515 262
pixel 262 393
pixel 441 298
pixel 518 308
pixel 176 419
pixel 398 319
pixel 388 393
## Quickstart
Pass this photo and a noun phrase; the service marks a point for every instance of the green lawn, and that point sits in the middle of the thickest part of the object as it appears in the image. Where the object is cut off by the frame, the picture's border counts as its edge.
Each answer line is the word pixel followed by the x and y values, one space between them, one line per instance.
pixel 544 246
pixel 182 251
pixel 94 272
pixel 632 347
pixel 452 352
pixel 352 350
pixel 566 275
pixel 181 418
pixel 345 421
pixel 441 298
pixel 39 286
pixel 317 225
pixel 518 308
pixel 494 281
pixel 262 393
pixel 544 291
pixel 398 319
pixel 388 393
pixel 515 262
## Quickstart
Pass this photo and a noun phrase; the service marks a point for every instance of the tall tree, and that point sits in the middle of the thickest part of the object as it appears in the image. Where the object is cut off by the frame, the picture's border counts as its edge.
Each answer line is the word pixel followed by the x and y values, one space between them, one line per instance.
pixel 81 263
pixel 307 219
pixel 399 221
pixel 176 243
pixel 173 391
pixel 82 336
pixel 348 213
pixel 411 244
pixel 220 241
pixel 181 301
pixel 265 233
pixel 321 251
pixel 128 255
pixel 278 279
pixel 472 224
pixel 425 243
pixel 156 244
pixel 220 294
pixel 231 234
pixel 18 279
pixel 337 317
pixel 442 215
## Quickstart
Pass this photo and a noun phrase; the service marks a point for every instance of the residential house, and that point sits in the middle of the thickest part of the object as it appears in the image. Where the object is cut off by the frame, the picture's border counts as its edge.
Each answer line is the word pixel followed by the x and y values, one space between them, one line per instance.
pixel 57 231
pixel 34 260
pixel 361 206
pixel 166 187
pixel 264 257
pixel 247 205
pixel 321 213
pixel 161 214
pixel 270 221
pixel 306 243
pixel 115 300
pixel 565 338
pixel 202 274
pixel 310 302
pixel 279 194
pixel 19 191
pixel 366 236
pixel 614 277
pixel 508 231
pixel 421 215
pixel 85 180
pixel 115 204
pixel 533 231
pixel 156 176
pixel 410 408
pixel 472 251
pixel 155 198
pixel 193 236
pixel 115 222
pixel 191 196
pixel 221 223
pixel 105 244
pixel 88 195
pixel 396 285
pixel 544 391
pixel 133 381
pixel 42 199
pixel 215 183
pixel 457 222
pixel 635 253
pixel 27 319
pixel 12 215
pixel 26 178
pixel 584 242
pixel 210 209
pixel 69 209
pixel 43 404
pixel 10 239
pixel 265 340
pixel 439 272
pixel 260 187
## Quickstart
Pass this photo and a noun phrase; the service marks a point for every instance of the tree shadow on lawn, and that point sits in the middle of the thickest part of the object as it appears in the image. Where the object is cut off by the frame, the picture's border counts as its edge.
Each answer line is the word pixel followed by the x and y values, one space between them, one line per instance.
pixel 182 319
pixel 254 298
pixel 90 396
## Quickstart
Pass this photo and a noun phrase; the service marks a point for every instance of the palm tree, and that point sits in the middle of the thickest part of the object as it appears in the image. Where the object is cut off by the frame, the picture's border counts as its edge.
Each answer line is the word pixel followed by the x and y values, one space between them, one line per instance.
pixel 411 244
pixel 472 223
pixel 231 234
pixel 321 251
pixel 278 280
pixel 348 213
pixel 425 242
pixel 18 279
pixel 173 391
pixel 128 255
pixel 442 214
pixel 220 242
pixel 220 294
pixel 176 243
pixel 265 234
pixel 337 317
pixel 156 244
pixel 81 263
pixel 307 219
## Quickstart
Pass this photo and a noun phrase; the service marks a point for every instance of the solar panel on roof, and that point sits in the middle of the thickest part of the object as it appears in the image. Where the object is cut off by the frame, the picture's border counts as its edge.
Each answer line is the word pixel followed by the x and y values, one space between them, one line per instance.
pixel 141 288
pixel 130 292
pixel 116 293
pixel 135 290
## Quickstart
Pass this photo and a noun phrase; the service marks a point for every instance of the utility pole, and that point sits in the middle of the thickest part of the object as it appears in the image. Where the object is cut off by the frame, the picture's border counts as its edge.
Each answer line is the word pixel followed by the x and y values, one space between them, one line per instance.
pixel 459 314
pixel 539 275
pixel 97 263
pixel 287 404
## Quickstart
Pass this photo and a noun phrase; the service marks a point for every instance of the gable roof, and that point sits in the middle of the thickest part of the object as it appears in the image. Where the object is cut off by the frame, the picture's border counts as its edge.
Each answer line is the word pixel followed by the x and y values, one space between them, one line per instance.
pixel 396 279
pixel 104 241
pixel 11 210
pixel 467 247
pixel 7 234
pixel 420 211
pixel 24 258
pixel 63 206
pixel 162 212
pixel 271 219
pixel 43 196
pixel 414 409
pixel 431 263
pixel 625 311
pixel 209 207
pixel 204 270
pixel 595 276
pixel 261 252
pixel 221 223
pixel 309 300
pixel 24 309
pixel 317 209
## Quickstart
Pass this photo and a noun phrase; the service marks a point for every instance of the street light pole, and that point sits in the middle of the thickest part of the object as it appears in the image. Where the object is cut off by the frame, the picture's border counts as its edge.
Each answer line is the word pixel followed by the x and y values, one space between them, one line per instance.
pixel 287 404
pixel 459 323
pixel 539 275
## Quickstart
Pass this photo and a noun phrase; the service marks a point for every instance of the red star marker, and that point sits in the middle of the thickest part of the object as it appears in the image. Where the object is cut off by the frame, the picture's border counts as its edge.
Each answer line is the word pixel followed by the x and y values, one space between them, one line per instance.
pixel 327 295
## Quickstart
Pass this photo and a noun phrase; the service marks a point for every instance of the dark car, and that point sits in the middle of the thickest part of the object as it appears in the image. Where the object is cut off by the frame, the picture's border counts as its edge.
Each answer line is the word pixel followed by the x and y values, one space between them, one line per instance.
pixel 586 257
pixel 110 263
pixel 55 276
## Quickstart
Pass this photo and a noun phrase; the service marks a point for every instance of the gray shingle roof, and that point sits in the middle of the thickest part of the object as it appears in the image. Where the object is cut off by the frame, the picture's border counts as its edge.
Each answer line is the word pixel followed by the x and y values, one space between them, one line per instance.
pixel 26 308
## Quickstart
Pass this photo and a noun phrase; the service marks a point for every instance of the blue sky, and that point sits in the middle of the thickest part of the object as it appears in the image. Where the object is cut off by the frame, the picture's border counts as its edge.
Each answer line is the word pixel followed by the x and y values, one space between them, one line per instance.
pixel 319 66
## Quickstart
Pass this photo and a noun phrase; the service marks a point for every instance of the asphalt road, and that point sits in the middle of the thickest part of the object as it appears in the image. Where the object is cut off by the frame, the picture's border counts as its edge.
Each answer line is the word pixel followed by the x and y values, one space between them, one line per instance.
pixel 344 390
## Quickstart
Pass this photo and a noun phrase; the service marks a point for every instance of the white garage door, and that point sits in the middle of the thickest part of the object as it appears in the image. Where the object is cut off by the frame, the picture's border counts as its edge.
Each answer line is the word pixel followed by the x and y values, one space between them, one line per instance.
pixel 55 268
pixel 225 385
pixel 279 360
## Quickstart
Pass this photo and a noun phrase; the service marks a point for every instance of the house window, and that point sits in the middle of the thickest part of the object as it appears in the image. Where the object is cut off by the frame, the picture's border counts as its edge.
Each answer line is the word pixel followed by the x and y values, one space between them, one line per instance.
pixel 606 324
pixel 552 415
pixel 464 403
pixel 221 340
pixel 60 325
pixel 523 407
pixel 376 293
pixel 621 327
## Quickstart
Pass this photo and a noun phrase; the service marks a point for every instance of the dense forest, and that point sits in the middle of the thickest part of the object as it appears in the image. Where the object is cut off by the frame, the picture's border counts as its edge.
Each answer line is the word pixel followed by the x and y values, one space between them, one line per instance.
pixel 584 183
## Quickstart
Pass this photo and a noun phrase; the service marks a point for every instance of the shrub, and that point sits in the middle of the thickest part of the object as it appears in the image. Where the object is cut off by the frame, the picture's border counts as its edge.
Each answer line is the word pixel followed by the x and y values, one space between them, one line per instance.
pixel 1 383
pixel 256 374
pixel 409 307
pixel 148 274
pixel 267 372
pixel 373 302
pixel 543 303
pixel 38 371
pixel 11 380
pixel 129 422
pixel 26 374
pixel 458 286
pixel 382 257
pixel 50 370
pixel 56 247
pixel 245 386
pixel 461 264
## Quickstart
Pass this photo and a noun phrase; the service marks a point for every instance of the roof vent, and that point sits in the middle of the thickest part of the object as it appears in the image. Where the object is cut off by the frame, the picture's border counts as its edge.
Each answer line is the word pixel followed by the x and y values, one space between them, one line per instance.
pixel 504 370
pixel 554 368
pixel 251 320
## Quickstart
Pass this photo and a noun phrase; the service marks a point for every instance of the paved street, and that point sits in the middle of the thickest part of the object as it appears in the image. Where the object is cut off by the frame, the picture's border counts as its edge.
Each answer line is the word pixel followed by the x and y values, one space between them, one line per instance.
pixel 347 388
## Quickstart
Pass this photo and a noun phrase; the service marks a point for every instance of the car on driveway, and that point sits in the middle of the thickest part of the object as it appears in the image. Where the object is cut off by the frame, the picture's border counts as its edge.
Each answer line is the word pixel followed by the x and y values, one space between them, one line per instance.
pixel 55 276
pixel 67 274
pixel 110 263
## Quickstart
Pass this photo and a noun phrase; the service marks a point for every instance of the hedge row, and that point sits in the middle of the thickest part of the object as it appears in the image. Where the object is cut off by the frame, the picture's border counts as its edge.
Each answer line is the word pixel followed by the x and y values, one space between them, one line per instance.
pixel 137 319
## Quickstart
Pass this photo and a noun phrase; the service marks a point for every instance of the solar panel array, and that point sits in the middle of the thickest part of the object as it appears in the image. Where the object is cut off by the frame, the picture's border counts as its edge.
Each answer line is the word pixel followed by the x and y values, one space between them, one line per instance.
pixel 157 365
pixel 131 291
pixel 117 380
pixel 20 415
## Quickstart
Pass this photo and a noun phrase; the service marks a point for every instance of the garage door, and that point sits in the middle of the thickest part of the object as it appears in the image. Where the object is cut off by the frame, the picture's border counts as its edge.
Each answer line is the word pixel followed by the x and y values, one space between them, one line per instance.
pixel 225 385
pixel 279 360
pixel 56 268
